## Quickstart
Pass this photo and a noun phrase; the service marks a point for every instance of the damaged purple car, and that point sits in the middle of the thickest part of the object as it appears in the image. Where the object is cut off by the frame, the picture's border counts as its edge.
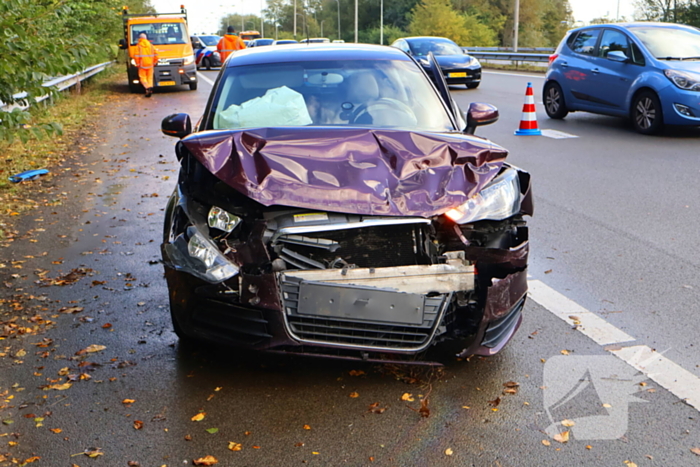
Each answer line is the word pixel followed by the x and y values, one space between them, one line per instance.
pixel 333 202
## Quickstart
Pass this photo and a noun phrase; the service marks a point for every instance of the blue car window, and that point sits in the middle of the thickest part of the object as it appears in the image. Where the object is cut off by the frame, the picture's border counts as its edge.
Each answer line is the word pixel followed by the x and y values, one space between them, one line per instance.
pixel 585 41
pixel 613 41
pixel 637 56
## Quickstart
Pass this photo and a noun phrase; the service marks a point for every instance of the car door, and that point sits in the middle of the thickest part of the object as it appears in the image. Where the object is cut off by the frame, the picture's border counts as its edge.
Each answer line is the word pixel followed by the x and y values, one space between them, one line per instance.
pixel 612 79
pixel 577 68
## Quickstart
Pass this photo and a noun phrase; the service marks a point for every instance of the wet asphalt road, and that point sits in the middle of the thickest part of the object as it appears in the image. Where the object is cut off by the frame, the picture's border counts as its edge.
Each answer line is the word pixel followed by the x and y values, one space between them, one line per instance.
pixel 611 227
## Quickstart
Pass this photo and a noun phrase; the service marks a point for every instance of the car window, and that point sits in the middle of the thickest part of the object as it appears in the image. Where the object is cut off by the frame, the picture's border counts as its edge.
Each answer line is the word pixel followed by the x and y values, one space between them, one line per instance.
pixel 637 55
pixel 669 43
pixel 585 41
pixel 373 93
pixel 613 41
pixel 210 40
pixel 159 33
pixel 422 47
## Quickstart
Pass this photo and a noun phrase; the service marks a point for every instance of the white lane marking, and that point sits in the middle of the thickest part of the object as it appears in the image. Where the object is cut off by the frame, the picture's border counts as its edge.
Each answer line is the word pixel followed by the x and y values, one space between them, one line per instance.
pixel 512 74
pixel 588 323
pixel 556 134
pixel 205 79
pixel 672 377
pixel 667 374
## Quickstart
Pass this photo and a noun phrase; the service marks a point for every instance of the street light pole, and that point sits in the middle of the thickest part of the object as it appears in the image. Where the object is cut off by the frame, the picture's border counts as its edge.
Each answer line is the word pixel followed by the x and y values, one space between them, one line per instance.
pixel 355 21
pixel 516 25
pixel 381 22
pixel 262 20
pixel 338 2
pixel 295 19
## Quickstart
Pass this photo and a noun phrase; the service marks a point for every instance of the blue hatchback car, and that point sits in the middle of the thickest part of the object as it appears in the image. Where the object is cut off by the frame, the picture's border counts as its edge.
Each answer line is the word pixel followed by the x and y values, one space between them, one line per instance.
pixel 649 72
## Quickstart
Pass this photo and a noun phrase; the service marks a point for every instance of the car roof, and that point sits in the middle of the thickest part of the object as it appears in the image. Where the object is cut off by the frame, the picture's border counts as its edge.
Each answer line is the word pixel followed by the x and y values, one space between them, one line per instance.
pixel 306 52
pixel 409 39
pixel 637 24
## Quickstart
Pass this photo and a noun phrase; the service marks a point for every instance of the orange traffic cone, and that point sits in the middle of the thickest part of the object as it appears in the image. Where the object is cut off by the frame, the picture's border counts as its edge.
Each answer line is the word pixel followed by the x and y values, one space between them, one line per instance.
pixel 528 123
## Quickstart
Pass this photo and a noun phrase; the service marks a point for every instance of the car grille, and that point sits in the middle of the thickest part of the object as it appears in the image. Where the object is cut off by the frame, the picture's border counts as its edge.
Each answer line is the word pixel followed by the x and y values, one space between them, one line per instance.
pixel 368 247
pixel 360 333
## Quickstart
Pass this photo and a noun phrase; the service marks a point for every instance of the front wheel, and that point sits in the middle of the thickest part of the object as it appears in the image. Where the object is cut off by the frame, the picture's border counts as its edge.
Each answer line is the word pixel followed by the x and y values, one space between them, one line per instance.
pixel 554 103
pixel 646 113
pixel 193 86
pixel 473 85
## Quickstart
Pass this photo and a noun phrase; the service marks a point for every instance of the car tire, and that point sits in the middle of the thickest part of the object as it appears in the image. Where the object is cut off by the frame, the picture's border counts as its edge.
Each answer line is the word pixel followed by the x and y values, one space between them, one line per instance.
pixel 553 98
pixel 646 113
pixel 193 86
pixel 473 85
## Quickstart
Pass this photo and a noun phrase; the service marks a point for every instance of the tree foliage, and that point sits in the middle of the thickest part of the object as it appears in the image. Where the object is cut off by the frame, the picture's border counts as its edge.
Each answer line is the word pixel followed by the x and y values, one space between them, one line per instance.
pixel 676 11
pixel 438 18
pixel 42 39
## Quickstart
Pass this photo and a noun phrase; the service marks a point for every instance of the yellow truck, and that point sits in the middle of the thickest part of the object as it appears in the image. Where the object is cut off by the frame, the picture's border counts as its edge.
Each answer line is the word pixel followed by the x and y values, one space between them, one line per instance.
pixel 168 34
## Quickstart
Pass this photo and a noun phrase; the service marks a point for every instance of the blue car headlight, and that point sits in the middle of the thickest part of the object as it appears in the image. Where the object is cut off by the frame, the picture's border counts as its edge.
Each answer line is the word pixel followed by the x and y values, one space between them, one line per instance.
pixel 684 80
pixel 498 200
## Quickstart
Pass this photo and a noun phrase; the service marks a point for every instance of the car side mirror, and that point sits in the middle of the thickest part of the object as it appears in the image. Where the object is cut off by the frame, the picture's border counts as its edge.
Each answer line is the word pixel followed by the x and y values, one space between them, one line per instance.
pixel 617 56
pixel 177 125
pixel 480 114
pixel 122 44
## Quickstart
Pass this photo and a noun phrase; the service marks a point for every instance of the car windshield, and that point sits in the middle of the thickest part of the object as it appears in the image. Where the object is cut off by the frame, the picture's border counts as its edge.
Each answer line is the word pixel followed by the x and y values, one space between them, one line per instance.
pixel 159 33
pixel 421 47
pixel 670 43
pixel 264 41
pixel 370 93
pixel 210 40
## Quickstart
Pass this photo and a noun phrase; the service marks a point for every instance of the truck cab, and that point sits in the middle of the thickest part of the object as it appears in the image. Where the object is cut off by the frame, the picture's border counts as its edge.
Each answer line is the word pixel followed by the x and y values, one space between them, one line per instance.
pixel 168 34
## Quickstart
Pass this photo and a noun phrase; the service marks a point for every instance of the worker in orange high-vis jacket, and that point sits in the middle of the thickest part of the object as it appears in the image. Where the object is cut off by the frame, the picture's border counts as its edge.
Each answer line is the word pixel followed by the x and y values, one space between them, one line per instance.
pixel 146 58
pixel 229 44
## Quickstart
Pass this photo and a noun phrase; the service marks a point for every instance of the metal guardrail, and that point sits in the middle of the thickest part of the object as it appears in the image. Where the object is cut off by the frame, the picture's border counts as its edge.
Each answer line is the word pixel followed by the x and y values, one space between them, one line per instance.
pixel 510 49
pixel 511 56
pixel 62 83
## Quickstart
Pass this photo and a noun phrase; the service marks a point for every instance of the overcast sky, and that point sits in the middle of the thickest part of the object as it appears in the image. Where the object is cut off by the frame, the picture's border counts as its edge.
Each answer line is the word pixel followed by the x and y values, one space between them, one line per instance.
pixel 204 15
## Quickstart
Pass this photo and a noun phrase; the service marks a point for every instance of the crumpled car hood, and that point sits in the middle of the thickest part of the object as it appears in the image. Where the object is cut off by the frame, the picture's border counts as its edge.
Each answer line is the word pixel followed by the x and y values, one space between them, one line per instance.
pixel 355 171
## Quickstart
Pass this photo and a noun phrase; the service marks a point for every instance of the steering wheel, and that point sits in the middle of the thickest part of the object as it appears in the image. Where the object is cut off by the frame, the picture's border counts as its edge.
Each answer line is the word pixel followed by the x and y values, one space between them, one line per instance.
pixel 385 103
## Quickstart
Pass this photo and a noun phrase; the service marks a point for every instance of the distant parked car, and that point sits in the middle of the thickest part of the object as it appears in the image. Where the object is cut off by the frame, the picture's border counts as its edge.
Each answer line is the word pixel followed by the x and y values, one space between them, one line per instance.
pixel 649 72
pixel 285 41
pixel 205 52
pixel 338 41
pixel 457 66
pixel 260 42
pixel 315 40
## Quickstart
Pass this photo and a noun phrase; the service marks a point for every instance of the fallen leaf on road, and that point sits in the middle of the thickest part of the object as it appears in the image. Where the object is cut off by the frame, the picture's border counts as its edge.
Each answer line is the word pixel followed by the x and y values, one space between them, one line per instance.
pixel 307 427
pixel 206 460
pixel 356 372
pixel 448 452
pixel 138 424
pixel 71 309
pixel 31 459
pixel 55 430
pixel 407 397
pixel 561 437
pixel 568 423
pixel 93 452
pixel 589 447
pixel 565 352
pixel 495 402
pixel 106 325
pixel 94 348
pixel 58 387
pixel 546 442
pixel 630 464
pixel 212 431
pixel 548 271
pixel 188 437
pixel 354 395
pixel 199 417
pixel 234 446
pixel 374 408
pixel 128 401
pixel 695 451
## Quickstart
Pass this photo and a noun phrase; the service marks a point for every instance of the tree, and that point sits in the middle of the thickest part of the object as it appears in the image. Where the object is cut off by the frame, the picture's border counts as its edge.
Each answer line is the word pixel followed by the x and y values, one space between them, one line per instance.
pixel 437 18
pixel 47 38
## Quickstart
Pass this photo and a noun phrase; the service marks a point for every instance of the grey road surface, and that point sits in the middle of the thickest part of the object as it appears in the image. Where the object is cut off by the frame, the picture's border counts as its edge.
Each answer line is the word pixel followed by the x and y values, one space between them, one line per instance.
pixel 615 230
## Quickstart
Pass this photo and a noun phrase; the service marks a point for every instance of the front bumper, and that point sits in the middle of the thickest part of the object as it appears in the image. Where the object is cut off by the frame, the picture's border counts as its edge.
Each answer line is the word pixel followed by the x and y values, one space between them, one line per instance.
pixel 680 107
pixel 169 75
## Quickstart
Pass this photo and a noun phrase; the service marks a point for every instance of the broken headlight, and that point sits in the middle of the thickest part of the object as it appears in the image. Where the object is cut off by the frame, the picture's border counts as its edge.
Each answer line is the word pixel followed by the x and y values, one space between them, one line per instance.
pixel 222 220
pixel 498 200
pixel 216 266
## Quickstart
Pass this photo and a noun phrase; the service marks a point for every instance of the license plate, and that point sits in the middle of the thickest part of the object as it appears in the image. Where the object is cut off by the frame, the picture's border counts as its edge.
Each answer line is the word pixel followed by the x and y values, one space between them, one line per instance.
pixel 166 83
pixel 461 74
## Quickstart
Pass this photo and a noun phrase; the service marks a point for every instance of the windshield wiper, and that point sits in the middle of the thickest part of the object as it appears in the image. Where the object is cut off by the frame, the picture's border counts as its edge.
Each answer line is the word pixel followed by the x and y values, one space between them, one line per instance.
pixel 678 58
